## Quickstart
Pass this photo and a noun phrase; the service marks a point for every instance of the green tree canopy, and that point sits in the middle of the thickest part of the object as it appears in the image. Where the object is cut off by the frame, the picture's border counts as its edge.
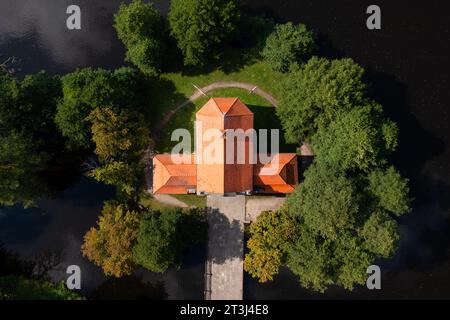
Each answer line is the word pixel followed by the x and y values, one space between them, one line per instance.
pixel 358 139
pixel 39 96
pixel 29 105
pixel 118 136
pixel 19 165
pixel 389 190
pixel 20 288
pixel 164 235
pixel 141 28
pixel 313 94
pixel 268 239
pixel 119 142
pixel 110 245
pixel 126 177
pixel 10 91
pixel 200 26
pixel 342 228
pixel 27 134
pixel 327 201
pixel 87 89
pixel 288 44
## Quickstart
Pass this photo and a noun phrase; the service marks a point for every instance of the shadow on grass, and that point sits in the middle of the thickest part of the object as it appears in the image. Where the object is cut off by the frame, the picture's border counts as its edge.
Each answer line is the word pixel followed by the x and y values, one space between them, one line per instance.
pixel 162 96
pixel 229 60
pixel 266 118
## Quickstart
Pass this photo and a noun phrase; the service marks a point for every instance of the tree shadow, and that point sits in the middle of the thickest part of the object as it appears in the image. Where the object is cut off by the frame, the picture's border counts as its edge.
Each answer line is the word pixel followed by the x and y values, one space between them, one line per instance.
pixel 226 238
pixel 326 48
pixel 12 264
pixel 425 239
pixel 164 96
pixel 129 288
pixel 416 144
pixel 229 59
pixel 266 118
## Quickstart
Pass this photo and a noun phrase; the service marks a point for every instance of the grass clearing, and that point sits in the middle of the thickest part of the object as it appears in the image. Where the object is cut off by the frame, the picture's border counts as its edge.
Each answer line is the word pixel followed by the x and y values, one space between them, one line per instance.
pixel 242 65
pixel 148 202
pixel 191 200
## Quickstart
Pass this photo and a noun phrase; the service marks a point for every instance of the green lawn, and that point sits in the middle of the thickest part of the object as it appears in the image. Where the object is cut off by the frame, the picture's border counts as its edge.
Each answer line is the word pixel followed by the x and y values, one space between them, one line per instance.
pixel 240 65
pixel 264 118
pixel 191 200
pixel 148 202
pixel 175 87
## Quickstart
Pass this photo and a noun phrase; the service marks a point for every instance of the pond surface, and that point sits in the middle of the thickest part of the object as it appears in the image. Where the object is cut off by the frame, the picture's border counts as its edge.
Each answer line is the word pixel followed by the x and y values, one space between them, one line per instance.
pixel 405 63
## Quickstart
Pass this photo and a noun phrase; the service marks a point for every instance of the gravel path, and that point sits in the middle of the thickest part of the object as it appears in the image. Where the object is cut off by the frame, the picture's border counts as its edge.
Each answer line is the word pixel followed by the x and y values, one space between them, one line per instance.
pixel 200 92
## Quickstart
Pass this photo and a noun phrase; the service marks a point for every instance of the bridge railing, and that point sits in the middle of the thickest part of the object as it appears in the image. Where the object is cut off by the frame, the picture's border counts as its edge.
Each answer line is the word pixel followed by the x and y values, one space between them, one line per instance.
pixel 208 275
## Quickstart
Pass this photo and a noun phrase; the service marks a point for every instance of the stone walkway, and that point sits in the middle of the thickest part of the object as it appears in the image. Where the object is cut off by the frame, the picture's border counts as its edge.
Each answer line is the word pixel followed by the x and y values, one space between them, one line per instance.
pixel 255 206
pixel 225 266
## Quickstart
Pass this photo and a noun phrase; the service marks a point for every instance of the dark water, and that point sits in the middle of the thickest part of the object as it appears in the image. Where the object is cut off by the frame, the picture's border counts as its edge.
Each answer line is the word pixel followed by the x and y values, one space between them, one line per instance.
pixel 407 63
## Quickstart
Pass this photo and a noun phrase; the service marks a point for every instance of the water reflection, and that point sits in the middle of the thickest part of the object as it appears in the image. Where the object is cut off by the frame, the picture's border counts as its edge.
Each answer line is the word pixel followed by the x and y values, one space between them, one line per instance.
pixel 36 33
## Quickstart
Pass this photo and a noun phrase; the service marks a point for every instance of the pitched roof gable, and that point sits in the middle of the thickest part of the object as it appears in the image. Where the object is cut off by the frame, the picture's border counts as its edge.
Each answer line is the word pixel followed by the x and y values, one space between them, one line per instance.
pixel 224 107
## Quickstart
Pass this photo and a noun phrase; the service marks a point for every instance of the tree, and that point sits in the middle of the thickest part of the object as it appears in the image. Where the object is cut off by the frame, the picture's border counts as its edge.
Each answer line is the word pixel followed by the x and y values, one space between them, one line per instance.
pixel 38 99
pixel 288 44
pixel 87 89
pixel 141 28
pixel 110 245
pixel 200 26
pixel 118 136
pixel 163 236
pixel 327 201
pixel 125 176
pixel 159 245
pixel 341 229
pixel 119 140
pixel 255 29
pixel 19 165
pixel 313 94
pixel 8 100
pixel 29 105
pixel 356 140
pixel 389 190
pixel 20 288
pixel 27 134
pixel 268 237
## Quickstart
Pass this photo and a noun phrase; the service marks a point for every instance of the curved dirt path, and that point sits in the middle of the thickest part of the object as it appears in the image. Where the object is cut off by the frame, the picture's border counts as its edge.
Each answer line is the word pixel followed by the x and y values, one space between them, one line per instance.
pixel 200 92
pixel 169 200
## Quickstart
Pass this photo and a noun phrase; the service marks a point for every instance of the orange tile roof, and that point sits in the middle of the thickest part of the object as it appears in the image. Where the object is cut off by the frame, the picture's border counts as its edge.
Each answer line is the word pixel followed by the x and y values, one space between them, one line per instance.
pixel 222 114
pixel 224 106
pixel 174 178
pixel 278 176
